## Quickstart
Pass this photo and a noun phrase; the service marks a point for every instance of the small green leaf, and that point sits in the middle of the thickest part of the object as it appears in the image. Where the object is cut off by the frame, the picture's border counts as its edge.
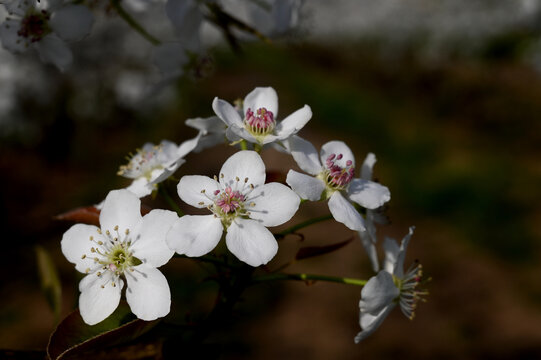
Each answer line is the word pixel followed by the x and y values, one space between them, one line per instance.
pixel 72 339
pixel 311 251
pixel 50 283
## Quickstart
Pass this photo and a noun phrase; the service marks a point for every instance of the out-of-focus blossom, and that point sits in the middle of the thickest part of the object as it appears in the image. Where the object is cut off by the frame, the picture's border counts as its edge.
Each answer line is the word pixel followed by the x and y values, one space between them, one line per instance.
pixel 274 17
pixel 154 163
pixel 126 247
pixel 242 205
pixel 259 125
pixel 45 28
pixel 332 177
pixel 391 286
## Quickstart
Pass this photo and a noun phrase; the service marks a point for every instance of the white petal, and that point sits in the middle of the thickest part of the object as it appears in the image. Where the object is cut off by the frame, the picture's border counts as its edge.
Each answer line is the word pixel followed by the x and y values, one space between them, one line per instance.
pixel 210 140
pixel 262 97
pixel 235 133
pixel 243 165
pixel 274 204
pixel 308 187
pixel 305 155
pixel 211 124
pixel 159 175
pixel 195 235
pixel 72 22
pixel 294 122
pixel 190 190
pixel 121 208
pixel 9 37
pixel 53 50
pixel 370 247
pixel 337 148
pixel 399 267
pixel 251 242
pixel 368 165
pixel 148 293
pixel 370 322
pixel 187 146
pixel 97 303
pixel 391 248
pixel 148 239
pixel 379 291
pixel 76 243
pixel 18 7
pixel 368 194
pixel 226 112
pixel 344 212
pixel 140 187
pixel 170 59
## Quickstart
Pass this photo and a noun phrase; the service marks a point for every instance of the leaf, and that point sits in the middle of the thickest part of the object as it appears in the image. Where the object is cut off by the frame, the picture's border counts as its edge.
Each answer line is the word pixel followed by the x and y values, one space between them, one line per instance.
pixel 72 339
pixel 312 251
pixel 86 215
pixel 50 283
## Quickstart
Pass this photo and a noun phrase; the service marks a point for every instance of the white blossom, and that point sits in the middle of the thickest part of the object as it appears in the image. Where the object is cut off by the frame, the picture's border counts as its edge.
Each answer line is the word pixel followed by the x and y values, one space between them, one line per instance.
pixel 153 164
pixel 242 205
pixel 260 111
pixel 32 25
pixel 125 248
pixel 391 286
pixel 212 131
pixel 332 177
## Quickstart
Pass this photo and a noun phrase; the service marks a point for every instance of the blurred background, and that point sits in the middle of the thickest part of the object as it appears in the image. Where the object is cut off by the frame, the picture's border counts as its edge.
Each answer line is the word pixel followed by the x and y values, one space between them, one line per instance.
pixel 447 95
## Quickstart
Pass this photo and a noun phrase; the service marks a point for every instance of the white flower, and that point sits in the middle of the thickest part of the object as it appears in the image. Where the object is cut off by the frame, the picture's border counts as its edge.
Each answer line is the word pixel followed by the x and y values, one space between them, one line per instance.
pixel 30 25
pixel 127 247
pixel 389 287
pixel 332 178
pixel 242 205
pixel 212 130
pixel 274 17
pixel 155 163
pixel 259 124
pixel 373 216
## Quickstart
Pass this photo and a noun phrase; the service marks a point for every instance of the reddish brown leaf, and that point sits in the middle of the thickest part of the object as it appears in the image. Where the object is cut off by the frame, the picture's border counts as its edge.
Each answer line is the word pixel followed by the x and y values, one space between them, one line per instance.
pixel 312 251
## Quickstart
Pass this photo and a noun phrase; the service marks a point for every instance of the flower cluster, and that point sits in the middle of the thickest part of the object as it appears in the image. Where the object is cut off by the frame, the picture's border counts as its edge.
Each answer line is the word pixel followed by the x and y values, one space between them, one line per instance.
pixel 46 26
pixel 128 248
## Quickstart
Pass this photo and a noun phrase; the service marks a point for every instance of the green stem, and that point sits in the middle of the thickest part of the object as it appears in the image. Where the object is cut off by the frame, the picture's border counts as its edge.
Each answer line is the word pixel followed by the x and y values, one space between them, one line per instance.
pixel 307 277
pixel 258 147
pixel 303 225
pixel 243 145
pixel 133 23
pixel 169 200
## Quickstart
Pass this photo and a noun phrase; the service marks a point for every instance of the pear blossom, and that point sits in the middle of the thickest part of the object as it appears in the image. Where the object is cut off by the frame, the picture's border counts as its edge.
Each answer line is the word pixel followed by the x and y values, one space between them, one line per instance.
pixel 125 248
pixel 212 131
pixel 241 204
pixel 33 25
pixel 274 17
pixel 391 286
pixel 332 177
pixel 373 216
pixel 258 122
pixel 153 164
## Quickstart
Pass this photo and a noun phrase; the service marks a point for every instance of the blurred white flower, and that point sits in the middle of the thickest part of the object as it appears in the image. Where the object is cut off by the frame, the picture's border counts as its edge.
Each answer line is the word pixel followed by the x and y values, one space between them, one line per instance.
pixel 260 109
pixel 126 247
pixel 242 205
pixel 274 17
pixel 389 287
pixel 212 131
pixel 154 163
pixel 332 178
pixel 45 28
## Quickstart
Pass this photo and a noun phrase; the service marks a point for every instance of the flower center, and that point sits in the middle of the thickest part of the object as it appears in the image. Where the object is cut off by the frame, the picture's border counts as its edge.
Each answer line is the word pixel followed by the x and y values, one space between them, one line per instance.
pixel 142 163
pixel 112 255
pixel 410 294
pixel 231 201
pixel 259 123
pixel 228 200
pixel 35 25
pixel 335 176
